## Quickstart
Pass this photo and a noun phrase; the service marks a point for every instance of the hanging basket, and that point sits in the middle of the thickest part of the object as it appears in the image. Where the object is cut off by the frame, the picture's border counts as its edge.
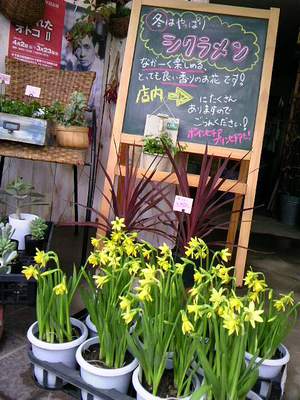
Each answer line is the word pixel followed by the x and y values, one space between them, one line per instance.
pixel 25 12
pixel 118 26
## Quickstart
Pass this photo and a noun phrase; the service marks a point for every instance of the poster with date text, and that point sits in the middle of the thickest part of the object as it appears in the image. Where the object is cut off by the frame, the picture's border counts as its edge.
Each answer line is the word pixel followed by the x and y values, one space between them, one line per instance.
pixel 40 44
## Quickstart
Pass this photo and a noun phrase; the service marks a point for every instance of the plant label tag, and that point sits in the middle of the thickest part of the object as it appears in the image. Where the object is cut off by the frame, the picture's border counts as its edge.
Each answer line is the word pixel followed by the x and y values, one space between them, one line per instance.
pixel 4 78
pixel 183 204
pixel 33 91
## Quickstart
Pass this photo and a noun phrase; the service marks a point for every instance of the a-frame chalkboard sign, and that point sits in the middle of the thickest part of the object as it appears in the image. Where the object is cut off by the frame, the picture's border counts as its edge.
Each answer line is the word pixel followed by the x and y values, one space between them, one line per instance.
pixel 210 66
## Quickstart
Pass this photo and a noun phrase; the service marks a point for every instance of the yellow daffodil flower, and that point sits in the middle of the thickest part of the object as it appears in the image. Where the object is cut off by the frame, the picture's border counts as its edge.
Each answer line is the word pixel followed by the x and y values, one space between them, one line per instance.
pixel 149 273
pixel 93 259
pixel 225 254
pixel 253 315
pixel 117 236
pixel 41 258
pixel 196 248
pixel 100 280
pixel 217 297
pixel 258 285
pixel 114 262
pixel 194 291
pixel 165 250
pixel 128 316
pixel 125 303
pixel 118 224
pixel 198 277
pixel 163 264
pixel 187 326
pixel 95 243
pixel 250 277
pixel 179 268
pixel 134 267
pixel 145 294
pixel 279 305
pixel 60 289
pixel 254 296
pixel 146 253
pixel 231 322
pixel 235 303
pixel 30 271
pixel 195 309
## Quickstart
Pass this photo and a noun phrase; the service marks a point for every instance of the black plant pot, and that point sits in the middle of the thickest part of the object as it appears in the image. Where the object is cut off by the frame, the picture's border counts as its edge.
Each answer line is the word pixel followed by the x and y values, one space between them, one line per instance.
pixel 290 209
pixel 32 244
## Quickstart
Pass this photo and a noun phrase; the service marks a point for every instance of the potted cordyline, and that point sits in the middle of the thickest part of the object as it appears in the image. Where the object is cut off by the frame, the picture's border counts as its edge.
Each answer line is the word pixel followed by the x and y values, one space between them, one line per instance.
pixel 166 356
pixel 24 196
pixel 55 336
pixel 105 361
pixel 265 341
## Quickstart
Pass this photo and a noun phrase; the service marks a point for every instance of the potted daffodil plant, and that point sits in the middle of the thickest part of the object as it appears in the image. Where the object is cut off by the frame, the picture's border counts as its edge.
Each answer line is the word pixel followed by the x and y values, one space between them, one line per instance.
pixel 55 336
pixel 265 341
pixel 104 360
pixel 165 354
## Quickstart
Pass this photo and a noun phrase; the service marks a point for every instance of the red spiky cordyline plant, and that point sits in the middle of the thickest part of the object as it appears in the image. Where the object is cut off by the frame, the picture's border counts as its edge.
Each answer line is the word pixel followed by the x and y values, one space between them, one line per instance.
pixel 207 212
pixel 134 196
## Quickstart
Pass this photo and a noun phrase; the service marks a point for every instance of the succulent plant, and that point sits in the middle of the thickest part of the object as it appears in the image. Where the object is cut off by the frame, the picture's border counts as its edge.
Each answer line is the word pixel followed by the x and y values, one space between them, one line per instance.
pixel 38 228
pixel 22 192
pixel 7 247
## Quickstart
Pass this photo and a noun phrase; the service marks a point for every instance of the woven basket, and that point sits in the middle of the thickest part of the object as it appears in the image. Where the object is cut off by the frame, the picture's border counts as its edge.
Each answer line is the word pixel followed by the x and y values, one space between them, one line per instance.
pixel 74 137
pixel 56 85
pixel 23 12
pixel 118 26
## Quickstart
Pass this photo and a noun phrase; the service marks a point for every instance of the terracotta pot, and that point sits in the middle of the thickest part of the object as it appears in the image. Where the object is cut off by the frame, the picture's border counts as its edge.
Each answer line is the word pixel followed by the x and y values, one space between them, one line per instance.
pixel 75 137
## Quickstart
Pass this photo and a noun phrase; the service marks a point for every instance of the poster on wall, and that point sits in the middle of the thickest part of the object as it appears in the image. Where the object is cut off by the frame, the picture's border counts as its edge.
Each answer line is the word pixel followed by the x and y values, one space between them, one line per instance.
pixel 40 44
pixel 84 50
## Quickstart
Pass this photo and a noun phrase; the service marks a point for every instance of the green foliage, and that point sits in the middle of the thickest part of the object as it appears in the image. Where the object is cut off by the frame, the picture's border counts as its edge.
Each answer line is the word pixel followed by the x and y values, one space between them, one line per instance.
pixel 55 111
pixel 7 248
pixel 18 107
pixel 38 228
pixel 156 144
pixel 74 113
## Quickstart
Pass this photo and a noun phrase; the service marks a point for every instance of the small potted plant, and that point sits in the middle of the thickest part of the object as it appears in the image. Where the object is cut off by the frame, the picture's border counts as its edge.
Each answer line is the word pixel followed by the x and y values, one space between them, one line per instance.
pixel 36 238
pixel 55 336
pixel 154 152
pixel 24 196
pixel 71 128
pixel 104 361
pixel 8 248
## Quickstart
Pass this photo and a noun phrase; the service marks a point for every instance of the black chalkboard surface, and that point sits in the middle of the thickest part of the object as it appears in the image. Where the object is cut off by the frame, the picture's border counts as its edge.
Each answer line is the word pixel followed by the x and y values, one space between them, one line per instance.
pixel 202 68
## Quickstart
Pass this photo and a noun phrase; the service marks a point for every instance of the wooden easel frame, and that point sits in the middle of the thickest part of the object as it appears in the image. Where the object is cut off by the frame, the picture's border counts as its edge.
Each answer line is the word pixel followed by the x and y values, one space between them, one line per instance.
pixel 246 186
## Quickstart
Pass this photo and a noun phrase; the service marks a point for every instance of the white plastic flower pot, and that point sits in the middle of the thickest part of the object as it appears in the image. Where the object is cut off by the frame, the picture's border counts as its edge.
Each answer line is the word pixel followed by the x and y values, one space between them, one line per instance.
pixel 143 394
pixel 91 327
pixel 103 378
pixel 21 227
pixel 55 352
pixel 162 163
pixel 269 369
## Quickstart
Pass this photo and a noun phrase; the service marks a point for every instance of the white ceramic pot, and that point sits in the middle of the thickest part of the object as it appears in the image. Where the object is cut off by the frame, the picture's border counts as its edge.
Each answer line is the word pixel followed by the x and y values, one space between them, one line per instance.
pixel 162 163
pixel 103 378
pixel 143 394
pixel 55 352
pixel 91 327
pixel 21 227
pixel 269 369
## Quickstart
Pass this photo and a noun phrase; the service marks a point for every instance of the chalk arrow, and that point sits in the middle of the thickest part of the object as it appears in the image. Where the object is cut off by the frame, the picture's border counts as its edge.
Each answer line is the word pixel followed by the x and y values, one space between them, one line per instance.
pixel 180 96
